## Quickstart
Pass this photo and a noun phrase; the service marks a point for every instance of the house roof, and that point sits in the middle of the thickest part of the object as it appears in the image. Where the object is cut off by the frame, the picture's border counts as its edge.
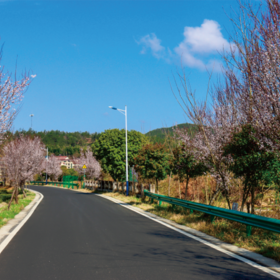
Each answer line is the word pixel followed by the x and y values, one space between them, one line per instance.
pixel 62 158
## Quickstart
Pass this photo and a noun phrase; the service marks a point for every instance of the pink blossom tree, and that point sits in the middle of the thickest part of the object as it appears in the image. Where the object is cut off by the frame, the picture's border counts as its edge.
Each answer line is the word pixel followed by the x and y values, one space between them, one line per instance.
pixel 248 94
pixel 11 94
pixel 207 147
pixel 93 168
pixel 252 72
pixel 23 158
pixel 52 167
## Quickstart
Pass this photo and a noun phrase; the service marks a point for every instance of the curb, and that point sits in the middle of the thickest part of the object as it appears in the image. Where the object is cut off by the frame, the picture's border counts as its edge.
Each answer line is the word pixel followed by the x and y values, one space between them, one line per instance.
pixel 8 231
pixel 267 262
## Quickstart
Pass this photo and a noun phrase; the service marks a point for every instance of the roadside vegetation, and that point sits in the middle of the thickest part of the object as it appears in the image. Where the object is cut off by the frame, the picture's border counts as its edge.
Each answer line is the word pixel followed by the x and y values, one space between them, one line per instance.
pixel 5 196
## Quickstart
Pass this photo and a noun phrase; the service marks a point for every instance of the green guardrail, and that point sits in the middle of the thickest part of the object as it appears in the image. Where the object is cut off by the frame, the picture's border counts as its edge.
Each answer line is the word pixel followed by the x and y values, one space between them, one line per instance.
pixel 64 184
pixel 245 218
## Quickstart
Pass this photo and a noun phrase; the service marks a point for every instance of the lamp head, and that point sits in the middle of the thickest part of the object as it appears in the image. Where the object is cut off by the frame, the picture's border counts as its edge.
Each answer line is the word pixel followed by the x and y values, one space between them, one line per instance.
pixel 113 108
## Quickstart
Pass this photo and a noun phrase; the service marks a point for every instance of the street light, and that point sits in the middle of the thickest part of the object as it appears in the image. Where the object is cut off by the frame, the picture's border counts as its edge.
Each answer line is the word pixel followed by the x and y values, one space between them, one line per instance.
pixel 46 164
pixel 124 112
pixel 32 115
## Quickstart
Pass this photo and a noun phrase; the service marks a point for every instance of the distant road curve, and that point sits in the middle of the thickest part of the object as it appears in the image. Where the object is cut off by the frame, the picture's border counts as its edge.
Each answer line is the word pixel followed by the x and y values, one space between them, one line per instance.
pixel 74 235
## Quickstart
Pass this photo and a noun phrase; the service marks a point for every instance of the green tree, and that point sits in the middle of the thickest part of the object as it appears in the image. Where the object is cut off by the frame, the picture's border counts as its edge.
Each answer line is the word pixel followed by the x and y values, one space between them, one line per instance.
pixel 186 166
pixel 109 150
pixel 250 162
pixel 67 172
pixel 153 162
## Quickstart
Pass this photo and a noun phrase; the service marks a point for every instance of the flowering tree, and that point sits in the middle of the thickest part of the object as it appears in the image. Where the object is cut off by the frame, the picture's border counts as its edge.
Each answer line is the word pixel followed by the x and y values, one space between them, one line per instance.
pixel 23 158
pixel 248 95
pixel 215 125
pixel 52 167
pixel 93 168
pixel 252 72
pixel 11 94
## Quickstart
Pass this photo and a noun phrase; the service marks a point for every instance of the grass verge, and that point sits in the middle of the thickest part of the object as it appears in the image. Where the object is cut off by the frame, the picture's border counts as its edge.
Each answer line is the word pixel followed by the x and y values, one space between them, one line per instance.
pixel 5 214
pixel 261 241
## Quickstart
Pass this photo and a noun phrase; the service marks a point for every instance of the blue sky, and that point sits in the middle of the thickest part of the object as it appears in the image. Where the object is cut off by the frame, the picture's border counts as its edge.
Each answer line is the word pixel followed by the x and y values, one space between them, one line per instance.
pixel 88 55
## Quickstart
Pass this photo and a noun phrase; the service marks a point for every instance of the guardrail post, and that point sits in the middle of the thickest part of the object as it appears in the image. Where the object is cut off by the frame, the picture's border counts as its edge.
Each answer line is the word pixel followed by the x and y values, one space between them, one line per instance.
pixel 191 211
pixel 159 202
pixel 212 218
pixel 248 230
pixel 152 200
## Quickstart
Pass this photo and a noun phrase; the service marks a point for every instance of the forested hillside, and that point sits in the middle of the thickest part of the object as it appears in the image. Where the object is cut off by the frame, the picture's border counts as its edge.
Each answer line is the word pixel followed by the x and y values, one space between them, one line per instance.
pixel 70 143
pixel 159 135
pixel 63 143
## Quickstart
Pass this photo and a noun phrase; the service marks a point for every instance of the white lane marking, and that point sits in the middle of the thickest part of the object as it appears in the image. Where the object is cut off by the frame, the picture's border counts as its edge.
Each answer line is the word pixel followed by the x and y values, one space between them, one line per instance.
pixel 20 225
pixel 249 262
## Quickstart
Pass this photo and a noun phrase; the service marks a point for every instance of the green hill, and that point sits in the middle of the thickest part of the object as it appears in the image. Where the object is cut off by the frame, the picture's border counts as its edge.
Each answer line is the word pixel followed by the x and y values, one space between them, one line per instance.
pixel 159 135
pixel 70 143
pixel 63 143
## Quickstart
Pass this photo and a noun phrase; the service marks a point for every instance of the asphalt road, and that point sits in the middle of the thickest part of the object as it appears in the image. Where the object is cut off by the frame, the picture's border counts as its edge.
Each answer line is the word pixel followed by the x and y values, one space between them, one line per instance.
pixel 81 236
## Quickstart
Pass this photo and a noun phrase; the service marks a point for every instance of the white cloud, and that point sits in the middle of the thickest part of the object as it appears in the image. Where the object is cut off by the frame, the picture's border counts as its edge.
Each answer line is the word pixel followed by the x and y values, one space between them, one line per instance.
pixel 197 50
pixel 205 39
pixel 153 43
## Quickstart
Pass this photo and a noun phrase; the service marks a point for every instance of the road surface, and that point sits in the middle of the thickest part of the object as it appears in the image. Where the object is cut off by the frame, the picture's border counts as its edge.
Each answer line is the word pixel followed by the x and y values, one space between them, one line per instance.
pixel 74 235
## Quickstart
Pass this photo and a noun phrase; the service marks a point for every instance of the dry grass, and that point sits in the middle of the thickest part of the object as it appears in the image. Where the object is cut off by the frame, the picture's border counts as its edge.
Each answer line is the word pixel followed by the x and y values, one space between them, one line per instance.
pixel 261 241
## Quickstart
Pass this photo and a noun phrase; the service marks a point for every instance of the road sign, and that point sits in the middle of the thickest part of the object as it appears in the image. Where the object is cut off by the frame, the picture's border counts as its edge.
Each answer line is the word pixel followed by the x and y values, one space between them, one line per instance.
pixel 84 166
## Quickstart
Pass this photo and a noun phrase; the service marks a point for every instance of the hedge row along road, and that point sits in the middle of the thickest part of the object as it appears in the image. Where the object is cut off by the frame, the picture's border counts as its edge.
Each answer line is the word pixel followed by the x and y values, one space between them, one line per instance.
pixel 74 235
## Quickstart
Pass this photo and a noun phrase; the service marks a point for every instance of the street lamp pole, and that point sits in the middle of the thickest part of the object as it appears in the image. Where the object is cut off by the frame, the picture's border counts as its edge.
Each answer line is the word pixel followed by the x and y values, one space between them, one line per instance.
pixel 32 115
pixel 126 154
pixel 124 112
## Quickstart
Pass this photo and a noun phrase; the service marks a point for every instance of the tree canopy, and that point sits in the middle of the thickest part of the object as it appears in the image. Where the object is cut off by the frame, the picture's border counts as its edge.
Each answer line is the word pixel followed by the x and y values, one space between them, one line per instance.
pixel 250 161
pixel 109 149
pixel 153 162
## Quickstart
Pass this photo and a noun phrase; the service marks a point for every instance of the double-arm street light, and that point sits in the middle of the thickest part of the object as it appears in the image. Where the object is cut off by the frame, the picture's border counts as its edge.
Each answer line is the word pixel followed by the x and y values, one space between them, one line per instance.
pixel 124 112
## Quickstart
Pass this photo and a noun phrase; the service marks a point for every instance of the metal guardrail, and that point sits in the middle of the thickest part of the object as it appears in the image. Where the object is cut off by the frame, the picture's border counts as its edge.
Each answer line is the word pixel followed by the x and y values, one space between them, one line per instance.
pixel 64 184
pixel 248 219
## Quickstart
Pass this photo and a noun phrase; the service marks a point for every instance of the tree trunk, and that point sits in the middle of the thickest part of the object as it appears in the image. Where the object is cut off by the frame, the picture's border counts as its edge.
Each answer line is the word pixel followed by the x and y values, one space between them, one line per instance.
pixel 214 196
pixel 22 188
pixel 169 183
pixel 187 184
pixel 16 195
pixel 179 188
pixel 157 186
pixel 11 198
pixel 253 199
pixel 245 196
pixel 227 198
pixel 206 190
